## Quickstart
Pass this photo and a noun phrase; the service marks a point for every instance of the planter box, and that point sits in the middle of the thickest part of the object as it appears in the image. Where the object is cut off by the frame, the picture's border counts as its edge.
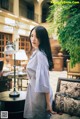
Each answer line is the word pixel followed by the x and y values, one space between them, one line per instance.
pixel 58 63
pixel 73 72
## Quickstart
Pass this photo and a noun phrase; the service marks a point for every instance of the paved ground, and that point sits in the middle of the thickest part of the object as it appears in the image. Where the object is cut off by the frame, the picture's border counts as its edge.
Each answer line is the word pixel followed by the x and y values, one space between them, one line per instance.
pixel 54 75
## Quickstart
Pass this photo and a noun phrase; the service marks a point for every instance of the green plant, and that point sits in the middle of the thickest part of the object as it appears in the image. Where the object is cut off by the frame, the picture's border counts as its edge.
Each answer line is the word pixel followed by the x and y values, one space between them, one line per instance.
pixel 65 24
pixel 69 38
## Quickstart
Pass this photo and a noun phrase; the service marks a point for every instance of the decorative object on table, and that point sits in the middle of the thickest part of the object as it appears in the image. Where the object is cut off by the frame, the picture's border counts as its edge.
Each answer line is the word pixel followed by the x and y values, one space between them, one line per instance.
pixel 10 49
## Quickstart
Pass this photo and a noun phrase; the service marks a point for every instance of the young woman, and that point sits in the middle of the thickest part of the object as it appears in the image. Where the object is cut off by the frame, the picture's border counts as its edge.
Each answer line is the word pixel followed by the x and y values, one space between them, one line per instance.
pixel 39 94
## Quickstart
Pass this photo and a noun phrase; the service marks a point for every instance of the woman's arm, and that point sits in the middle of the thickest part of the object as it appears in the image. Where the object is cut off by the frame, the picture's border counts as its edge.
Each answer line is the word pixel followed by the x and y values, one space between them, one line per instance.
pixel 49 107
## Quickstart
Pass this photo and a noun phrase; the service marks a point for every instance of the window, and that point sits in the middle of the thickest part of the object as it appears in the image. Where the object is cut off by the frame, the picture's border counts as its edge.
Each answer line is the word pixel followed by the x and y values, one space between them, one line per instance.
pixel 24 43
pixel 4 4
pixel 4 38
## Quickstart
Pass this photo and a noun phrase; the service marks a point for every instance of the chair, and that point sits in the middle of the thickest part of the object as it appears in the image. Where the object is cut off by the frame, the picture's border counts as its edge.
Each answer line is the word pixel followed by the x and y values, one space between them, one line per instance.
pixel 5 83
pixel 1 66
pixel 67 97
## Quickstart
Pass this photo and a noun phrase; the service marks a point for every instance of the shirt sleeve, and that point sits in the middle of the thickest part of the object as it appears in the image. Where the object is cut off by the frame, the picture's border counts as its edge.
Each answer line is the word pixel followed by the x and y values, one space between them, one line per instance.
pixel 42 74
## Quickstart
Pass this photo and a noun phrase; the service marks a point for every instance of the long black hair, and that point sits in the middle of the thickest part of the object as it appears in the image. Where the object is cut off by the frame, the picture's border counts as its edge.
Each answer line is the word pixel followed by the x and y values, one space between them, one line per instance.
pixel 44 46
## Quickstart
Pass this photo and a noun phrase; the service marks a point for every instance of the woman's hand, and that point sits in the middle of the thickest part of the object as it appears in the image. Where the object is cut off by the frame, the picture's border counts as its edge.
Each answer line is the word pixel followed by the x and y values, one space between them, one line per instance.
pixel 49 106
pixel 49 109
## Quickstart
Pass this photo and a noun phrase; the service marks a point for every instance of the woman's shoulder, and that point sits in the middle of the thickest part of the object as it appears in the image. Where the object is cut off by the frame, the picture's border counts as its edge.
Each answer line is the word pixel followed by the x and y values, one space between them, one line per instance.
pixel 41 56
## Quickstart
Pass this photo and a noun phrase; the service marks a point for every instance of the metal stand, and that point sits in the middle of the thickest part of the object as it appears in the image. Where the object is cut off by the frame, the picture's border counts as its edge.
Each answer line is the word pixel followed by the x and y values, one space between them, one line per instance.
pixel 14 93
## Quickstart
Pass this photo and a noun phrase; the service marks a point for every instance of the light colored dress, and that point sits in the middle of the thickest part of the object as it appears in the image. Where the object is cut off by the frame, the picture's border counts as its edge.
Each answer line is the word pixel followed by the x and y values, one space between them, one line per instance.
pixel 38 75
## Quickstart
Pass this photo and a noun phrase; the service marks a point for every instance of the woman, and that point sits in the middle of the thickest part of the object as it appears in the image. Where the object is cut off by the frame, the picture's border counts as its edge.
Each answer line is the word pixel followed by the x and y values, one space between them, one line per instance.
pixel 39 94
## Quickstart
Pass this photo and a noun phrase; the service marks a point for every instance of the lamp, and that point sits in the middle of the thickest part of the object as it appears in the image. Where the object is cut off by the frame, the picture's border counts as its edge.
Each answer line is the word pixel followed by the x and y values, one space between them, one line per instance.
pixel 21 55
pixel 10 49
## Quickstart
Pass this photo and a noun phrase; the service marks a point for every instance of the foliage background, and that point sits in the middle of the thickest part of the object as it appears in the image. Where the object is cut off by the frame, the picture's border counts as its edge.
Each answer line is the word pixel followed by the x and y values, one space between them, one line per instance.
pixel 65 23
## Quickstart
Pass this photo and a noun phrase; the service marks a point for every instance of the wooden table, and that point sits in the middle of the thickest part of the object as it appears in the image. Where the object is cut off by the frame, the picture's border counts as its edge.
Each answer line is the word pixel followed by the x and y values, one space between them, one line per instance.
pixel 14 106
pixel 20 76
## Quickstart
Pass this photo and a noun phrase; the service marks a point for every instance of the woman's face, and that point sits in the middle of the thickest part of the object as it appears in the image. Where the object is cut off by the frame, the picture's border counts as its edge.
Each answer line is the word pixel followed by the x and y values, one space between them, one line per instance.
pixel 34 41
